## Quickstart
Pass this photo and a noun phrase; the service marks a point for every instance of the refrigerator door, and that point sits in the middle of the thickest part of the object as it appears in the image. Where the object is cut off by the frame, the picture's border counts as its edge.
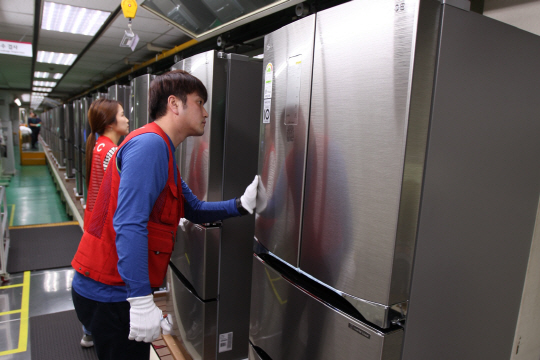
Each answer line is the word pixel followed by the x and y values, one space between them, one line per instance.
pixel 356 151
pixel 85 131
pixel 77 147
pixel 61 138
pixel 138 104
pixel 288 56
pixel 252 354
pixel 196 256
pixel 68 138
pixel 287 322
pixel 200 158
pixel 194 320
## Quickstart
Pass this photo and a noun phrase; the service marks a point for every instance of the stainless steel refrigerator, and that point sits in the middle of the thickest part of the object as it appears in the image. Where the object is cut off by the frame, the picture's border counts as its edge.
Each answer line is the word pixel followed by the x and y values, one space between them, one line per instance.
pixel 122 94
pixel 211 263
pixel 85 132
pixel 77 143
pixel 138 104
pixel 59 150
pixel 398 157
pixel 68 140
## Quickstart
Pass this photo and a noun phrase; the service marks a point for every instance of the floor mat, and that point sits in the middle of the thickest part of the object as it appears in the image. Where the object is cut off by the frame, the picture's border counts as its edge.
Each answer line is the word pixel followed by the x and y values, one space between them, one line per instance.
pixel 41 248
pixel 57 336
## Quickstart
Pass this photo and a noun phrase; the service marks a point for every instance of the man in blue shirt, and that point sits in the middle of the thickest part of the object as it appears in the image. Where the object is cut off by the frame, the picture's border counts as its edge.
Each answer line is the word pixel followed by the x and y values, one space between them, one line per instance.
pixel 124 319
pixel 35 125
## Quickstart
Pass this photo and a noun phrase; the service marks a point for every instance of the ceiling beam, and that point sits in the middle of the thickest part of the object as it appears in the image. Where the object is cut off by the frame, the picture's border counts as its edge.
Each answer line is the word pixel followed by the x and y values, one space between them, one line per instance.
pixel 38 6
pixel 96 37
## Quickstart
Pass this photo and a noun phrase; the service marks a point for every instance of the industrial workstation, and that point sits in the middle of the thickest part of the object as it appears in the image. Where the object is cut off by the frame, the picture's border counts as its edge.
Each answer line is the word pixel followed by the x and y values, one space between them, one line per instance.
pixel 395 146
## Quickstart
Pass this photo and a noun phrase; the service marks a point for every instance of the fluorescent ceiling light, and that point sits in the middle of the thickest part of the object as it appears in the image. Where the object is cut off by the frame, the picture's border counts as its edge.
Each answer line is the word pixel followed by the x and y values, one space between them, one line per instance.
pixel 72 19
pixel 45 75
pixel 36 100
pixel 25 97
pixel 44 83
pixel 56 58
pixel 18 102
pixel 260 56
pixel 42 89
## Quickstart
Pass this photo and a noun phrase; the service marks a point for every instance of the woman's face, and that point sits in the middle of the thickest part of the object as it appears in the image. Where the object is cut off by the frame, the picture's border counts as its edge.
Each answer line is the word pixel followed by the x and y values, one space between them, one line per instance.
pixel 122 123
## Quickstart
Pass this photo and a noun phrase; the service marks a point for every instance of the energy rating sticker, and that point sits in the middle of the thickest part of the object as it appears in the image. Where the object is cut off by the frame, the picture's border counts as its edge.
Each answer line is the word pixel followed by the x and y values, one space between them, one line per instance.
pixel 266 111
pixel 268 77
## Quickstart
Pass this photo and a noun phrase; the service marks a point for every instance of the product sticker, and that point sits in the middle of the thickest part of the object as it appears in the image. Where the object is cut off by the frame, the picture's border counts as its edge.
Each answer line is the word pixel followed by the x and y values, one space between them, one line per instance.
pixel 225 342
pixel 266 111
pixel 268 77
pixel 292 106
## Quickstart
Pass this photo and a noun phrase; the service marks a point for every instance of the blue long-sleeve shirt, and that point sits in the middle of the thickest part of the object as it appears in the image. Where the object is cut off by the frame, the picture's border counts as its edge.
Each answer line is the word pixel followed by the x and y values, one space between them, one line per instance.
pixel 145 154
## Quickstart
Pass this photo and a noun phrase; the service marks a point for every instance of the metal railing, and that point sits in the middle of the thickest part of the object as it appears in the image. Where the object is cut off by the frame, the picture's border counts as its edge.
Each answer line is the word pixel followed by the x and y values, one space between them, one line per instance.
pixel 4 231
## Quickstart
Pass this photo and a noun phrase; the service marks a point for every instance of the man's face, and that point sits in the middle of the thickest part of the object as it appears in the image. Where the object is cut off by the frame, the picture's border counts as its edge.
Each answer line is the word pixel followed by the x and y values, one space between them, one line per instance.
pixel 194 114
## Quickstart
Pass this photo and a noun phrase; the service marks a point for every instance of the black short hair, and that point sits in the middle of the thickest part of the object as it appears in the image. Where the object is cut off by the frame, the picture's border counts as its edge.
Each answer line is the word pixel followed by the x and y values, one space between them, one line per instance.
pixel 179 83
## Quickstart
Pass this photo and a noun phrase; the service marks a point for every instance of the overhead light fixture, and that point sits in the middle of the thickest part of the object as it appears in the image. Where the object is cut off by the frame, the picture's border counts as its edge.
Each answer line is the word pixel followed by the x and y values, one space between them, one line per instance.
pixel 44 83
pixel 56 58
pixel 36 100
pixel 42 89
pixel 72 19
pixel 25 98
pixel 18 102
pixel 46 75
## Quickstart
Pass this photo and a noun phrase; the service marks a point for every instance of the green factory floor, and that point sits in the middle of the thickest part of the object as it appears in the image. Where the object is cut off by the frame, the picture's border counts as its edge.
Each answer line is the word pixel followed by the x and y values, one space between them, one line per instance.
pixel 32 197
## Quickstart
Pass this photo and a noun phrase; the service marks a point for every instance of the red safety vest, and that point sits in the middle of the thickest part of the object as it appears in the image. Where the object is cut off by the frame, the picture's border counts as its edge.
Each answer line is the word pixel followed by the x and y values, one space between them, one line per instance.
pixel 96 256
pixel 99 153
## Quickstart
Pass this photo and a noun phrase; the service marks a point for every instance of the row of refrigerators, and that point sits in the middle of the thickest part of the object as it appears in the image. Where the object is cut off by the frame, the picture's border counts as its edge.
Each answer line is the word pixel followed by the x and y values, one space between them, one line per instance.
pixel 399 187
pixel 65 128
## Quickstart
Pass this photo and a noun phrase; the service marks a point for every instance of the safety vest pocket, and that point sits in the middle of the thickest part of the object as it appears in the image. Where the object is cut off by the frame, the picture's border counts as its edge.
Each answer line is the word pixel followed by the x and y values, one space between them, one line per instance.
pixel 160 247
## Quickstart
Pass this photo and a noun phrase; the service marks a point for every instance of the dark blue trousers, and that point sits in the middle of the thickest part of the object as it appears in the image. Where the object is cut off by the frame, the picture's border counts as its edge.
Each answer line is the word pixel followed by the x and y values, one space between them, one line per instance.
pixel 109 325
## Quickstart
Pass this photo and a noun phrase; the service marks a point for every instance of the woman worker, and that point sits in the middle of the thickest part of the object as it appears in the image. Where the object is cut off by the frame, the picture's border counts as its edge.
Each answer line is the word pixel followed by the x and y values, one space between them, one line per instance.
pixel 108 124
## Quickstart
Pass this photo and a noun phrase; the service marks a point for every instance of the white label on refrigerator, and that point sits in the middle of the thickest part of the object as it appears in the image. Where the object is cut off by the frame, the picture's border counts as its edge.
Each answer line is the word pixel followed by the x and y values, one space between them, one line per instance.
pixel 268 77
pixel 266 111
pixel 225 342
pixel 293 90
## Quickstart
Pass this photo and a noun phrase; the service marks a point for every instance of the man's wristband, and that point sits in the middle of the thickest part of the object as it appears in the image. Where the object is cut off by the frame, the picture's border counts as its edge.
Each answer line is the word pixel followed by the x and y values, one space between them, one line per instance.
pixel 240 208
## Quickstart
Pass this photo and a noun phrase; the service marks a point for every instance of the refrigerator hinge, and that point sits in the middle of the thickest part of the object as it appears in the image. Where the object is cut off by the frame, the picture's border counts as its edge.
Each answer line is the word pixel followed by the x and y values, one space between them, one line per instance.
pixel 381 315
pixel 460 4
pixel 399 314
pixel 237 57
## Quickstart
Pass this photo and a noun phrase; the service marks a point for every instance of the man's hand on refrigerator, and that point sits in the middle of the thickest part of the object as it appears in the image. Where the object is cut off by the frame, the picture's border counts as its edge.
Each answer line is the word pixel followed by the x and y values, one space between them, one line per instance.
pixel 249 199
pixel 145 319
pixel 166 324
pixel 183 222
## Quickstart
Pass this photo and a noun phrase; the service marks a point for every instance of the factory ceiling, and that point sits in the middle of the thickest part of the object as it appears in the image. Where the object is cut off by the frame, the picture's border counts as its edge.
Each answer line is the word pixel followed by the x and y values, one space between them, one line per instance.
pixel 100 61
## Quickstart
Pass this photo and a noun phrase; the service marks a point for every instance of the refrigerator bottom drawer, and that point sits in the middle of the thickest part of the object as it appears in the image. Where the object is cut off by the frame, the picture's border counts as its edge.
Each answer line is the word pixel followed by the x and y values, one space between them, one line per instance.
pixel 194 322
pixel 252 354
pixel 288 323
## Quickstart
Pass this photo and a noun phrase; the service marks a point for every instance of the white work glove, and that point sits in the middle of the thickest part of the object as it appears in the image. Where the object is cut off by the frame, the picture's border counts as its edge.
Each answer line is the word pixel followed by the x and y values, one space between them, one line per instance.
pixel 144 319
pixel 262 201
pixel 166 325
pixel 183 222
pixel 249 199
